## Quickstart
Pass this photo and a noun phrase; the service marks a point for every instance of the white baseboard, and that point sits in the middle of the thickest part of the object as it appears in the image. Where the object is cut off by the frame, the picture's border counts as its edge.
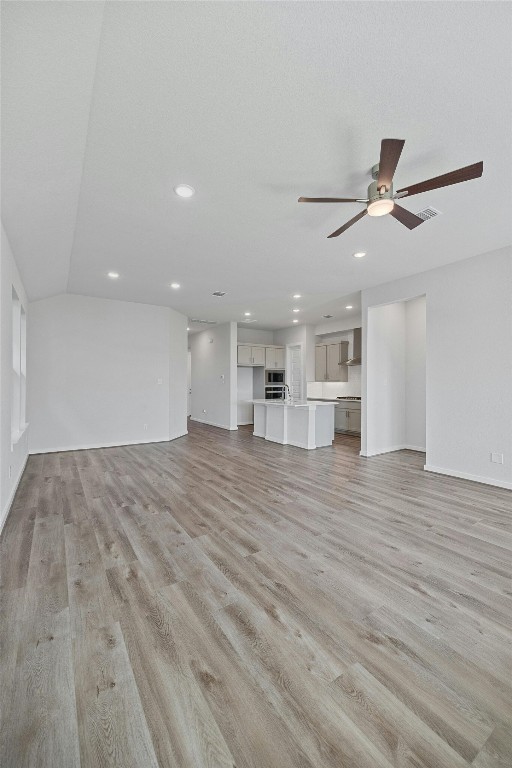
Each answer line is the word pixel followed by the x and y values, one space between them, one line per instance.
pixel 175 437
pixel 92 446
pixel 304 446
pixel 245 423
pixel 467 476
pixel 289 442
pixel 7 508
pixel 213 424
pixel 393 448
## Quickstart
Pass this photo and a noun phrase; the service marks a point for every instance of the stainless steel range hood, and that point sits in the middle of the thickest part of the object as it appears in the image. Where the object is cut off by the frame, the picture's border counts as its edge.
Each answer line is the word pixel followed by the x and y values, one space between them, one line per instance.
pixel 356 359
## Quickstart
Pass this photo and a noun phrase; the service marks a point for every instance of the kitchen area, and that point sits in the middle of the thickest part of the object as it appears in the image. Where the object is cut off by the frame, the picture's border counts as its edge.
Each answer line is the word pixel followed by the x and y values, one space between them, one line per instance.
pixel 338 377
pixel 272 397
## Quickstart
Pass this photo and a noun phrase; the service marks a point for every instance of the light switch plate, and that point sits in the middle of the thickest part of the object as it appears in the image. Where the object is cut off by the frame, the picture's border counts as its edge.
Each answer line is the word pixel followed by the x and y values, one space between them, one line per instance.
pixel 497 458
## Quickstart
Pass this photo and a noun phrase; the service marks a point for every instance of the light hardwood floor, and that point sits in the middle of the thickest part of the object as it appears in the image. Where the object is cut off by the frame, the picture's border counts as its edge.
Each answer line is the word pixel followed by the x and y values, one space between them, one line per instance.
pixel 223 601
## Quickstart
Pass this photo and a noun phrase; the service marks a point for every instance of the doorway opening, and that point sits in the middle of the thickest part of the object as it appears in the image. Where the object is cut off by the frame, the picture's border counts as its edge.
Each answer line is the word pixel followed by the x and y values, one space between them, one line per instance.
pixel 396 415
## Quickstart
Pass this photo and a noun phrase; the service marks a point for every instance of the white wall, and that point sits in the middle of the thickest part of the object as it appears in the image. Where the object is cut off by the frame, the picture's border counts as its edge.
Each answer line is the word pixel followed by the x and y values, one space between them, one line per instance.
pixel 415 373
pixel 214 376
pixel 178 373
pixel 340 324
pixel 254 336
pixel 103 372
pixel 468 364
pixel 396 377
pixel 12 459
pixel 385 392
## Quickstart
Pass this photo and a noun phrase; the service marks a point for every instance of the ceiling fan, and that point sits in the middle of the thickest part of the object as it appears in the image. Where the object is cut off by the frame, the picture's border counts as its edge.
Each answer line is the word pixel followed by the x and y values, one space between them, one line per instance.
pixel 381 198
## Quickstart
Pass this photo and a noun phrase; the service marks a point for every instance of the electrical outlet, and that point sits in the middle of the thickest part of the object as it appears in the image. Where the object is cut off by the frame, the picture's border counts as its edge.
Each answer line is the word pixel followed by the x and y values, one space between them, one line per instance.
pixel 204 410
pixel 159 381
pixel 145 427
pixel 497 458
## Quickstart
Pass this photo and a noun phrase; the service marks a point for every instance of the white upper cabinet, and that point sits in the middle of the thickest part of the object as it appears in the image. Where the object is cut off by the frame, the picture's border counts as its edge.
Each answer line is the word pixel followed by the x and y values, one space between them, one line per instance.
pixel 268 357
pixel 248 355
pixel 280 357
pixel 275 357
pixel 244 355
pixel 258 355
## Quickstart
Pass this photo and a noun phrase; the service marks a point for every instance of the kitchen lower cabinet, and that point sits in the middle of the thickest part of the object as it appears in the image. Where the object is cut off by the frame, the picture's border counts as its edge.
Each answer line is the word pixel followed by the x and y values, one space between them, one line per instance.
pixel 347 419
pixel 340 419
pixel 354 421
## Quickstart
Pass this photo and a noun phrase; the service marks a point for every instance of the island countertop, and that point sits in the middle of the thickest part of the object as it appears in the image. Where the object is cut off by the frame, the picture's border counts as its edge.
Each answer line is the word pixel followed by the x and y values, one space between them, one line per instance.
pixel 303 423
pixel 294 404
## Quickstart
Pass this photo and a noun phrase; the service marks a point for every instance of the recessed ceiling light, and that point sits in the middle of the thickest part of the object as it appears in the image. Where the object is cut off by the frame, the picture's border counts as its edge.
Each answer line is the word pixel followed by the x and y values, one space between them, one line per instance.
pixel 175 286
pixel 349 306
pixel 295 321
pixel 359 254
pixel 184 190
pixel 297 296
pixel 188 329
pixel 113 275
pixel 247 314
pixel 295 310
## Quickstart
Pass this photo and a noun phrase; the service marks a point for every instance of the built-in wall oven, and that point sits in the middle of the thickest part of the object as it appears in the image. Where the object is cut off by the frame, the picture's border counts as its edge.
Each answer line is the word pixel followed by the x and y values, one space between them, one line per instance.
pixel 273 380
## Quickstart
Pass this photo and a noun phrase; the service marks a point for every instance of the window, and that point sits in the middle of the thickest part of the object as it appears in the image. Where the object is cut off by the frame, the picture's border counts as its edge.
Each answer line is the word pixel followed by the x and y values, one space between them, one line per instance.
pixel 19 369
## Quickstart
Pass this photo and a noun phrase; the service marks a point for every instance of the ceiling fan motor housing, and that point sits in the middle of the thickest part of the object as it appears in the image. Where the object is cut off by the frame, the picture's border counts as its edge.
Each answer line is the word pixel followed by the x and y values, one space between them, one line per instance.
pixel 374 194
pixel 377 195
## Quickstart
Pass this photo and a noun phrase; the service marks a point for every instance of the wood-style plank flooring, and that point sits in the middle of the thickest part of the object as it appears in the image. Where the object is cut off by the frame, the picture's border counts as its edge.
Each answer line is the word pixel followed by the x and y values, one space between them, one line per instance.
pixel 223 601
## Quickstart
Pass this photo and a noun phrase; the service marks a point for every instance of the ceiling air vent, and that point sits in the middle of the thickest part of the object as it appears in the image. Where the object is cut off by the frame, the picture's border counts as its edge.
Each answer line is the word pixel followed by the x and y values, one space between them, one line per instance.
pixel 219 293
pixel 203 322
pixel 248 321
pixel 428 213
pixel 327 317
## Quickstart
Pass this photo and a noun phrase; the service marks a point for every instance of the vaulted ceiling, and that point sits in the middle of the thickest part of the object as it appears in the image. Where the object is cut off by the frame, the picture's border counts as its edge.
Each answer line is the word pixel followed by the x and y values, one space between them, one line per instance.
pixel 106 106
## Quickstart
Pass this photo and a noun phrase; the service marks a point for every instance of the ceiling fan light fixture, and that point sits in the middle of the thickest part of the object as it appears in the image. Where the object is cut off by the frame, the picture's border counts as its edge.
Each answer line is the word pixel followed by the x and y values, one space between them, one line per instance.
pixel 380 207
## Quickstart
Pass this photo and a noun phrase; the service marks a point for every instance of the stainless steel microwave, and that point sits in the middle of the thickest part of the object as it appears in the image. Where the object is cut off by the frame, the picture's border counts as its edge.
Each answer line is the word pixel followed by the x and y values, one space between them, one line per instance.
pixel 274 377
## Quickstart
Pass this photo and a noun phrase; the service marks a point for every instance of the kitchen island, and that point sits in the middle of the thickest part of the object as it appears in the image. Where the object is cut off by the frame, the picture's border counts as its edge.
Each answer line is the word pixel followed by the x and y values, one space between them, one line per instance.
pixel 305 424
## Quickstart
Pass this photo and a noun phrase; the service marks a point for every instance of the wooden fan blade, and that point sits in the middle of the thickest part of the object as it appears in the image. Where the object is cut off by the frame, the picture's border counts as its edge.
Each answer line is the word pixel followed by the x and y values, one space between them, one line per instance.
pixel 327 200
pixel 390 151
pixel 348 224
pixel 405 217
pixel 454 177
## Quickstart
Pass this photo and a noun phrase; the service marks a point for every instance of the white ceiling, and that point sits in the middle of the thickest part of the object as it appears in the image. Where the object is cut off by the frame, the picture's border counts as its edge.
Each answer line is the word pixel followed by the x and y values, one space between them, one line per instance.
pixel 107 106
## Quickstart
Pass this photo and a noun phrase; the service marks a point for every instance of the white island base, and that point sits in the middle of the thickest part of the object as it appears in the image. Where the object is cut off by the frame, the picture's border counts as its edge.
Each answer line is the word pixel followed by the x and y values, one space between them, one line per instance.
pixel 303 424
